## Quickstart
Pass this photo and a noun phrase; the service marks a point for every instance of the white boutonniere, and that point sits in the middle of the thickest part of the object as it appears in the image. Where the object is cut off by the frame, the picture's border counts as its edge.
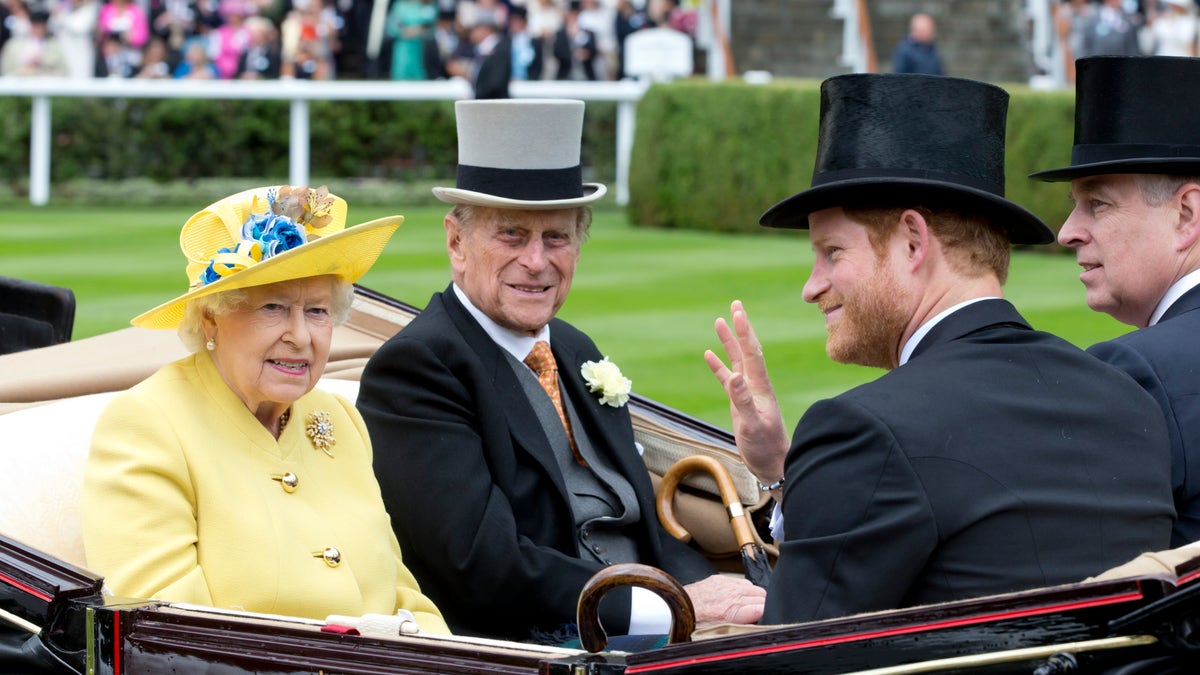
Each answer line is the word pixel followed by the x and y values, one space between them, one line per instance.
pixel 605 378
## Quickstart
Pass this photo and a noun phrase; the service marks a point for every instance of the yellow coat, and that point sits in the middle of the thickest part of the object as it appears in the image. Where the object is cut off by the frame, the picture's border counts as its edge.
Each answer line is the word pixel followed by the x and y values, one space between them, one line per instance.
pixel 181 503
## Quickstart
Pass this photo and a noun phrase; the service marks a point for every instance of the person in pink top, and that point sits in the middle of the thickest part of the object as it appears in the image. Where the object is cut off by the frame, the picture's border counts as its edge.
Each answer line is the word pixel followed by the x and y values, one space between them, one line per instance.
pixel 230 40
pixel 126 20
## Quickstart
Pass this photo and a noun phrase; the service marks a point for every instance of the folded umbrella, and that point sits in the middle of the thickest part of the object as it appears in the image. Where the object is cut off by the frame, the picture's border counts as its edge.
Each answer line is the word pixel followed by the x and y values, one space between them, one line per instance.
pixel 754 558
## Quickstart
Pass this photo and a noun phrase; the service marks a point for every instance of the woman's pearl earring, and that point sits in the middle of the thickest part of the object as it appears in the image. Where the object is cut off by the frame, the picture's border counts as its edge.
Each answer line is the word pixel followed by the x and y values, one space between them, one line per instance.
pixel 211 344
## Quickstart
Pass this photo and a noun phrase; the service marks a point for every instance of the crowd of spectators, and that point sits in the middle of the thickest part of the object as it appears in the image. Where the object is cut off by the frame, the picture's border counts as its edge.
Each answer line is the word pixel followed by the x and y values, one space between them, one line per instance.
pixel 1126 28
pixel 325 39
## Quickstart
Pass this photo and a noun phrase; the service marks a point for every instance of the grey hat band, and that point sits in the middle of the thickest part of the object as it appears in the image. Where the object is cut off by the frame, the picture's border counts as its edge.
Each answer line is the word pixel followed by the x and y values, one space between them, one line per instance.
pixel 522 184
pixel 1111 152
pixel 886 175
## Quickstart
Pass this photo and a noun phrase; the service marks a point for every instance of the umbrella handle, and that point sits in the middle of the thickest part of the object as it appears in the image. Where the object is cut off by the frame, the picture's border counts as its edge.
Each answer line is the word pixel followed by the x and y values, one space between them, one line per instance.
pixel 665 499
pixel 587 613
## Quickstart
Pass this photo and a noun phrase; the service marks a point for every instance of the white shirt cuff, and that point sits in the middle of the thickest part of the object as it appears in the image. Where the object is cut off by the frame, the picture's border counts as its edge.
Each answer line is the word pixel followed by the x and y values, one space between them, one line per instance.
pixel 648 613
pixel 776 525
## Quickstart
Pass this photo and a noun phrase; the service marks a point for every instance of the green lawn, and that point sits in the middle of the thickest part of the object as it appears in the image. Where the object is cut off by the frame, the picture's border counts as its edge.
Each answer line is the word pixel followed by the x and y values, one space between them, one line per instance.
pixel 648 297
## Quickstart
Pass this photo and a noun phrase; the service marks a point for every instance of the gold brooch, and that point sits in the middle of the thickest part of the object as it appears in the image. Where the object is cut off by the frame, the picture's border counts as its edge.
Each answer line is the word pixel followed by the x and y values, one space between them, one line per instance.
pixel 320 432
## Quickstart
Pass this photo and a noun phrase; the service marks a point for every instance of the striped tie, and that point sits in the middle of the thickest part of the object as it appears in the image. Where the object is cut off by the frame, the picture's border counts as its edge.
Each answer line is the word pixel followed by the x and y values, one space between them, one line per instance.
pixel 541 361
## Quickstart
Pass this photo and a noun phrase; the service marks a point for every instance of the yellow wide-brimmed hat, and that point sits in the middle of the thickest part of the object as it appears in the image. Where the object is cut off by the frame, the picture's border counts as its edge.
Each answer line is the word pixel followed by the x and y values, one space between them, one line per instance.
pixel 270 234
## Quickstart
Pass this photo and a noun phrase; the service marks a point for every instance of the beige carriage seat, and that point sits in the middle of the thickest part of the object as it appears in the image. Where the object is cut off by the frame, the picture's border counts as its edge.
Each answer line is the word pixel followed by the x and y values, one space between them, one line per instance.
pixel 42 456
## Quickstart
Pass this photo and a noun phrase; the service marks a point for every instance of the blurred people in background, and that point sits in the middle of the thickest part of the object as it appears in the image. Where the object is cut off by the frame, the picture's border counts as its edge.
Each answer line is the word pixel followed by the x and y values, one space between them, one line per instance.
pixel 917 52
pixel 440 46
pixel 526 47
pixel 310 40
pixel 491 66
pixel 154 60
pixel 471 12
pixel 575 47
pixel 261 61
pixel 409 24
pixel 1111 31
pixel 114 60
pixel 601 21
pixel 35 53
pixel 174 22
pixel 196 63
pixel 12 14
pixel 1072 19
pixel 413 39
pixel 73 23
pixel 671 14
pixel 629 19
pixel 1173 28
pixel 230 40
pixel 126 21
pixel 545 18
pixel 307 63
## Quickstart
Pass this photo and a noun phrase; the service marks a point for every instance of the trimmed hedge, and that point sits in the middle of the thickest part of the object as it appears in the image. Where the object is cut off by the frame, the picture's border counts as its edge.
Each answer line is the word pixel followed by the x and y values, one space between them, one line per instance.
pixel 184 139
pixel 715 156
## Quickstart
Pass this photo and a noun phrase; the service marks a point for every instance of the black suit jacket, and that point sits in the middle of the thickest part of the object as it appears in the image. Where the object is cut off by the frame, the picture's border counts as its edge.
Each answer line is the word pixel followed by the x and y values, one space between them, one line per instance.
pixel 565 52
pixel 476 496
pixel 495 71
pixel 1164 359
pixel 998 458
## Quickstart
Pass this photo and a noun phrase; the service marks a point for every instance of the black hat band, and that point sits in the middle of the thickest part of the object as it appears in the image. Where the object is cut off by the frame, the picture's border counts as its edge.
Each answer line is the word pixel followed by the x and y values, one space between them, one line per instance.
pixel 885 175
pixel 522 184
pixel 1111 152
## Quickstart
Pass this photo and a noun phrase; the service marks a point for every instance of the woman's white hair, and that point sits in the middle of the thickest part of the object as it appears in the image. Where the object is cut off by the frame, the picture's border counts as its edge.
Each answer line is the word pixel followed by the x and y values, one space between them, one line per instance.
pixel 191 327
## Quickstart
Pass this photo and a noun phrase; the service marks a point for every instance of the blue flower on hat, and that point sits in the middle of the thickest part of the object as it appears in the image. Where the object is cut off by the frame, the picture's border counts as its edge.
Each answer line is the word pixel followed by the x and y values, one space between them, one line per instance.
pixel 210 275
pixel 229 260
pixel 281 234
pixel 276 233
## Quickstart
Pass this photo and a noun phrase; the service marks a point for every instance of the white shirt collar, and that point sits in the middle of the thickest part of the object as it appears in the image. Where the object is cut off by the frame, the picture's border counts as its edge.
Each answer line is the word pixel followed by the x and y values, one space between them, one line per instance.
pixel 517 344
pixel 911 345
pixel 1176 291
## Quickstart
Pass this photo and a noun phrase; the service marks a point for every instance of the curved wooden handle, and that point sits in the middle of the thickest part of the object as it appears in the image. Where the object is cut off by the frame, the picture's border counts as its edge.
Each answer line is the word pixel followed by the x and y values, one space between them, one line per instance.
pixel 587 613
pixel 665 499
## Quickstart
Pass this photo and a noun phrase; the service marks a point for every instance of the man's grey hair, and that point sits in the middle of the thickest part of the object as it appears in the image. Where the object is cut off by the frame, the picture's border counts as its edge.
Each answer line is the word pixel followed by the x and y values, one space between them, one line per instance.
pixel 191 327
pixel 1157 188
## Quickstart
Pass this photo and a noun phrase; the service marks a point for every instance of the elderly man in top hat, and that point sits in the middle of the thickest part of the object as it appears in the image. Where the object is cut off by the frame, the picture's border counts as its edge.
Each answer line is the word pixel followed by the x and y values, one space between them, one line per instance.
pixel 1135 228
pixel 990 457
pixel 509 480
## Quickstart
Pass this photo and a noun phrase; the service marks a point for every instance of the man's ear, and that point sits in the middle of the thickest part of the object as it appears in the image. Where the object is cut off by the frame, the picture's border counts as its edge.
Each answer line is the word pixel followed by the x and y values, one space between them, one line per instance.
pixel 915 232
pixel 1187 227
pixel 454 235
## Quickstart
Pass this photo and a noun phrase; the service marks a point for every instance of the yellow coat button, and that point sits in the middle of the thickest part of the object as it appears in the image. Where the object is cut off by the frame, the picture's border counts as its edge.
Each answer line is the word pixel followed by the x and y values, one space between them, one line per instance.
pixel 331 555
pixel 289 481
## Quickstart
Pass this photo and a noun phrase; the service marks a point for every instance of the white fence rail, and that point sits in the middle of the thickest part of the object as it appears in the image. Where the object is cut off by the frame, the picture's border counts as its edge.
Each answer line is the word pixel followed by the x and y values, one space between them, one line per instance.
pixel 300 92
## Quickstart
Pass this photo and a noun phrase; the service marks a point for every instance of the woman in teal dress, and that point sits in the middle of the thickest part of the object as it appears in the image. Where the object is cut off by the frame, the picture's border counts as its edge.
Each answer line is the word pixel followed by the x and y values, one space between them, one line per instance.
pixel 409 23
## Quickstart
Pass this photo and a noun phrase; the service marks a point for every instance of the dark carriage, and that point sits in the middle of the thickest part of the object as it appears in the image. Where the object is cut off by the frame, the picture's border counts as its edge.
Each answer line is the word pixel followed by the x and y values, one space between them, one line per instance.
pixel 55 617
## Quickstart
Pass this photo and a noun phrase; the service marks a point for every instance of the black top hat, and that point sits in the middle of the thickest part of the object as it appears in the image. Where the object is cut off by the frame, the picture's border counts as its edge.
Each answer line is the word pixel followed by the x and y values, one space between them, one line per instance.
pixel 1134 114
pixel 896 139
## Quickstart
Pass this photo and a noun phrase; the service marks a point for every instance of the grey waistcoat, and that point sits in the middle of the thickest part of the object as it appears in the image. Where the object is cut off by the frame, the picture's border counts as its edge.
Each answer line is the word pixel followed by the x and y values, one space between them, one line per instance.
pixel 601 498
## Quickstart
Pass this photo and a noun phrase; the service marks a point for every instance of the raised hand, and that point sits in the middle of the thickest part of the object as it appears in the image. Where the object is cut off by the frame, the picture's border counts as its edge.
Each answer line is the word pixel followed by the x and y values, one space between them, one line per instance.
pixel 757 421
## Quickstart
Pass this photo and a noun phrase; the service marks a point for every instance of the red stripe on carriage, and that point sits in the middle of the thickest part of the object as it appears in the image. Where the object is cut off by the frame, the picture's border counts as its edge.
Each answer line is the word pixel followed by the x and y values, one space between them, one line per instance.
pixel 30 590
pixel 839 639
pixel 117 643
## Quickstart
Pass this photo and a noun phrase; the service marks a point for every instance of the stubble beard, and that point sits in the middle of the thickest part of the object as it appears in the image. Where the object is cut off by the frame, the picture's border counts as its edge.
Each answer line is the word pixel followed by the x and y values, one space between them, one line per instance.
pixel 872 322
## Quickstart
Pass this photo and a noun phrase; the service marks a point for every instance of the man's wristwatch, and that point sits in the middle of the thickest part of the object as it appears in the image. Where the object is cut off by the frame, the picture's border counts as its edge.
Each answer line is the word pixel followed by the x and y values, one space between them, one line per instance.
pixel 768 488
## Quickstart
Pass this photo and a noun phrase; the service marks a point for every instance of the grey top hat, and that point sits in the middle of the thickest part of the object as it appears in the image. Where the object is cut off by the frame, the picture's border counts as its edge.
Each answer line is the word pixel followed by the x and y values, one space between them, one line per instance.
pixel 896 139
pixel 520 154
pixel 1134 114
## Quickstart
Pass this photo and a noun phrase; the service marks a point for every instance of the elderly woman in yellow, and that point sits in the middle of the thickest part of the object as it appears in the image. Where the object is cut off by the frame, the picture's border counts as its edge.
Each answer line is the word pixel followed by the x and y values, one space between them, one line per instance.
pixel 225 478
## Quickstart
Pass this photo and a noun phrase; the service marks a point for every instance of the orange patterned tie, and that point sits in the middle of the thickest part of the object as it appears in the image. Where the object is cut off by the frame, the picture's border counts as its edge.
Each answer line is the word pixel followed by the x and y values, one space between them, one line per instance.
pixel 541 361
